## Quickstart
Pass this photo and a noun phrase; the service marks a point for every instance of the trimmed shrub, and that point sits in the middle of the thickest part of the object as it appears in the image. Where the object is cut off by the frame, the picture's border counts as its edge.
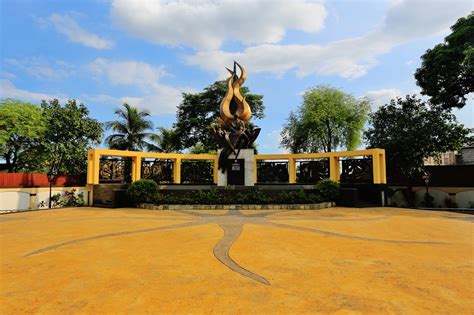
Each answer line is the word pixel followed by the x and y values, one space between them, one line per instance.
pixel 225 196
pixel 142 191
pixel 329 190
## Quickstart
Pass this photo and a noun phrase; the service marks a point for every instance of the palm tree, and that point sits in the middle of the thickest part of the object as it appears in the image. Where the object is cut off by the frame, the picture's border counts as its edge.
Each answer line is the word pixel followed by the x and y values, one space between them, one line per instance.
pixel 165 141
pixel 131 129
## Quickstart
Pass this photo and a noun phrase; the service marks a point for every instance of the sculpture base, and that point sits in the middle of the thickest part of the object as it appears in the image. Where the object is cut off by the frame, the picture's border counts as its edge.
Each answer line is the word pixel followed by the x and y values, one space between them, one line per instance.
pixel 247 155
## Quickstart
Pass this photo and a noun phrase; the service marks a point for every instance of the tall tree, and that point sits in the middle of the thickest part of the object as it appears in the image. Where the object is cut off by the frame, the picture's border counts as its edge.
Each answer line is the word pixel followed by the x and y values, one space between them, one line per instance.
pixel 198 111
pixel 69 134
pixel 447 71
pixel 328 119
pixel 21 126
pixel 411 130
pixel 131 129
pixel 165 141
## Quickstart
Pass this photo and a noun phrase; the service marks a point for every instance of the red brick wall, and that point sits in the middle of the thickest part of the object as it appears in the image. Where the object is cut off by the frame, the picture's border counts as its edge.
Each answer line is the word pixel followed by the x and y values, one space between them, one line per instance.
pixel 39 180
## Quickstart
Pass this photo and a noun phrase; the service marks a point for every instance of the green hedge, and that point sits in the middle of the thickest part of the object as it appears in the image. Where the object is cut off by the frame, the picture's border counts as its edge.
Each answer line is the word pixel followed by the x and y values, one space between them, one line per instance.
pixel 142 191
pixel 259 197
pixel 328 189
pixel 146 191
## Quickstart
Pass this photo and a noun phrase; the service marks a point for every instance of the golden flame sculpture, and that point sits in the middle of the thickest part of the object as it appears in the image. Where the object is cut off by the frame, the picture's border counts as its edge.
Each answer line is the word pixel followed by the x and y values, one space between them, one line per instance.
pixel 231 131
pixel 234 83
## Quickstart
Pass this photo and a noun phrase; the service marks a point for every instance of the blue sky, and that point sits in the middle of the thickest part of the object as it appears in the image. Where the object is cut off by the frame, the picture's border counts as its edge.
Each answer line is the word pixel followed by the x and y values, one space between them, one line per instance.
pixel 146 53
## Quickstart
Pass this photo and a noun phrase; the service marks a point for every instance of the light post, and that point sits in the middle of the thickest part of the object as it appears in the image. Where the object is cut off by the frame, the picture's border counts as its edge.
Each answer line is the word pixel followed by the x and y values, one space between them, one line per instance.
pixel 426 178
pixel 51 177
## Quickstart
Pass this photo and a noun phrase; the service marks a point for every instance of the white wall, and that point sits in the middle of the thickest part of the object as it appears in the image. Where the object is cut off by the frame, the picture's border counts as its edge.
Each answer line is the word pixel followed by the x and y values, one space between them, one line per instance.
pixel 439 197
pixel 19 198
pixel 44 196
pixel 14 200
pixel 463 199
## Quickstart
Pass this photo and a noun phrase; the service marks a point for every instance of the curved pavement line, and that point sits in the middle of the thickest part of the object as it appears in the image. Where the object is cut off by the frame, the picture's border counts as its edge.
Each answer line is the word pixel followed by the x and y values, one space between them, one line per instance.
pixel 90 238
pixel 359 238
pixel 177 218
pixel 197 214
pixel 466 219
pixel 263 214
pixel 323 219
pixel 8 219
pixel 221 252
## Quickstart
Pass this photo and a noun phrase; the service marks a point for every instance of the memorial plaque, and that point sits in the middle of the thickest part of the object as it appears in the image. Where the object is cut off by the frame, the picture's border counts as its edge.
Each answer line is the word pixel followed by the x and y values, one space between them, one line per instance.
pixel 235 172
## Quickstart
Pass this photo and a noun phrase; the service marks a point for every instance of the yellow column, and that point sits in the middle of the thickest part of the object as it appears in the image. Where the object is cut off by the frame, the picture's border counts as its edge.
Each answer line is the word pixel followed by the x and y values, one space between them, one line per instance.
pixel 177 171
pixel 32 203
pixel 90 167
pixel 96 168
pixel 376 168
pixel 90 196
pixel 216 171
pixel 334 168
pixel 292 170
pixel 136 168
pixel 383 172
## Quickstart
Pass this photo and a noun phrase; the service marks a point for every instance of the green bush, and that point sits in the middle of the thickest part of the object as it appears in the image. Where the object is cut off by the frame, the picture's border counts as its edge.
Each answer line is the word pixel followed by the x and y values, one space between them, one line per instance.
pixel 295 197
pixel 70 199
pixel 224 196
pixel 428 201
pixel 328 190
pixel 142 191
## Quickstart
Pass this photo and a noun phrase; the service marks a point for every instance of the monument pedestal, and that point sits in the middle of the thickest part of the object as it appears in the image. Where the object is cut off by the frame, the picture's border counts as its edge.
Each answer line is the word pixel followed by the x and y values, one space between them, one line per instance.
pixel 240 170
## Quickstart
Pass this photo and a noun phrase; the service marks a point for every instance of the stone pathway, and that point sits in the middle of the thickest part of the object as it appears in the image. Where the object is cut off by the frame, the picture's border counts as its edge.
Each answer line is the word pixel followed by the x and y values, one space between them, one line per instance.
pixel 232 224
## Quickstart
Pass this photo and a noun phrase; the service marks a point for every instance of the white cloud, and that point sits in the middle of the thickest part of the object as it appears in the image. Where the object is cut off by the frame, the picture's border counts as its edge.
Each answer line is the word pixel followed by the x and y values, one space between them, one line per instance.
pixel 405 21
pixel 208 24
pixel 157 97
pixel 132 72
pixel 382 96
pixel 9 90
pixel 111 100
pixel 43 69
pixel 64 24
pixel 101 98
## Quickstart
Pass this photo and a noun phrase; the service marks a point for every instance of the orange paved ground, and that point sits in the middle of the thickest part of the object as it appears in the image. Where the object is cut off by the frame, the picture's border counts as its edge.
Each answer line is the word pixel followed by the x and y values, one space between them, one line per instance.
pixel 338 260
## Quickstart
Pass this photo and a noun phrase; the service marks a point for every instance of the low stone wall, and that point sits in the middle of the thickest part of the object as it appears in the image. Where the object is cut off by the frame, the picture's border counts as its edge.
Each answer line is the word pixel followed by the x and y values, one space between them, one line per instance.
pixel 103 194
pixel 19 199
pixel 463 197
pixel 314 206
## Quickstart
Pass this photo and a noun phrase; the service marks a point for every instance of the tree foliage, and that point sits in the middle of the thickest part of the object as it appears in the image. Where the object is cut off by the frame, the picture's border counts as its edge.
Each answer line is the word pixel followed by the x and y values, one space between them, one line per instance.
pixel 199 148
pixel 21 125
pixel 69 133
pixel 327 119
pixel 411 130
pixel 198 111
pixel 447 71
pixel 131 129
pixel 165 141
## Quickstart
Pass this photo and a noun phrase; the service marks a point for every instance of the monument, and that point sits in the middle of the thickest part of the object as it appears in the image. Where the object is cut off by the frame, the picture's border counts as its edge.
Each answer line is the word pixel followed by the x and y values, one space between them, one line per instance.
pixel 234 134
